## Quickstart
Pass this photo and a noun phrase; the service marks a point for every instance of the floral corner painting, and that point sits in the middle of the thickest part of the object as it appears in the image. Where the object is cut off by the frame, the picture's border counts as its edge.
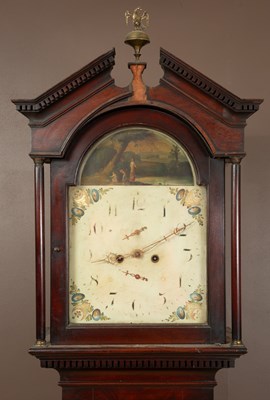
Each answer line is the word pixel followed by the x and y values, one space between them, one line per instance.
pixel 137 156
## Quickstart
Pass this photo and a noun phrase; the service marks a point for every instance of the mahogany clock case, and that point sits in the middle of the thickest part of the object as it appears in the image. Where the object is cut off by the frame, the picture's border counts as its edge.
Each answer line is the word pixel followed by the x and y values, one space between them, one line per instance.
pixel 165 360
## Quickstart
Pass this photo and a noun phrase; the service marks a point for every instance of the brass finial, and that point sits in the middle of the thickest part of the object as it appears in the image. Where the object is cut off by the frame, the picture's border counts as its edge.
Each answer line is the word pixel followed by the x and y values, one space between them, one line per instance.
pixel 137 38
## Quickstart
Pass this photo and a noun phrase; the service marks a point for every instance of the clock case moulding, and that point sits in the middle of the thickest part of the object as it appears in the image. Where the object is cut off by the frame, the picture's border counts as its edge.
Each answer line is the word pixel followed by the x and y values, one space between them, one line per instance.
pixel 65 121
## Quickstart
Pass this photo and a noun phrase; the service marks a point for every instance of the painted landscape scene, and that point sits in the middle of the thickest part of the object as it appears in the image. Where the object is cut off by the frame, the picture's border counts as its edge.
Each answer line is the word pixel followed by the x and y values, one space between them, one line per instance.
pixel 136 156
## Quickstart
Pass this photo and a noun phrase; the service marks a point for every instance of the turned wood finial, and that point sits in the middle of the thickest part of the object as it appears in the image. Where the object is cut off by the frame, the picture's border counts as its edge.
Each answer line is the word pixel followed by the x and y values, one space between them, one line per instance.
pixel 138 86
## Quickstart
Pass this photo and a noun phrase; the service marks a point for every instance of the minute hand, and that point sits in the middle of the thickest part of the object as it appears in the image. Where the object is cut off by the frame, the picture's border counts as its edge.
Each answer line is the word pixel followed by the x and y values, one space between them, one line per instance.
pixel 114 258
pixel 175 231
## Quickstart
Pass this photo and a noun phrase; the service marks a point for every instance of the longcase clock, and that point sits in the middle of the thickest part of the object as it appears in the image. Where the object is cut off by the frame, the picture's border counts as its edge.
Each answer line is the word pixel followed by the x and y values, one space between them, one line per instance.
pixel 137 229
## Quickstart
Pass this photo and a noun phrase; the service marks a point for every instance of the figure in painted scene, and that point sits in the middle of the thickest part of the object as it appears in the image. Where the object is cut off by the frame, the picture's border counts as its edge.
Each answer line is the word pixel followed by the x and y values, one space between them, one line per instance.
pixel 133 167
pixel 124 179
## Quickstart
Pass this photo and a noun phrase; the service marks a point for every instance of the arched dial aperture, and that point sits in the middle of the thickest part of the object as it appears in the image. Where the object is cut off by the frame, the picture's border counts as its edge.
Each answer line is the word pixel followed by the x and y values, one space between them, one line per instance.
pixel 137 233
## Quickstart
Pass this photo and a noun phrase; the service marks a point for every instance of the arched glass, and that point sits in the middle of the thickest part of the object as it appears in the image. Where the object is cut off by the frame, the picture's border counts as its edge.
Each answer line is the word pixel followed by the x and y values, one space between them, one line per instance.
pixel 137 156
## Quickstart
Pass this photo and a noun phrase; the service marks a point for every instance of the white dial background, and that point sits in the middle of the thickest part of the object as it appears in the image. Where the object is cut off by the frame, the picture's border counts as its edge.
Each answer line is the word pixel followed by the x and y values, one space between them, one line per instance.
pixel 128 221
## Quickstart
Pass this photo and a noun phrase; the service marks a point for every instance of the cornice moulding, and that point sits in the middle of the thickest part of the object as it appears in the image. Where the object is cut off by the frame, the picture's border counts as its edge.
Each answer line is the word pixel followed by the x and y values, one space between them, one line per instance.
pixel 68 85
pixel 169 62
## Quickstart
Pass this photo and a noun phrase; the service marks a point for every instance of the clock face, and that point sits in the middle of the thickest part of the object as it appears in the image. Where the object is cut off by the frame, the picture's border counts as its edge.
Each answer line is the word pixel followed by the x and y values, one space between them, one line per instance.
pixel 137 234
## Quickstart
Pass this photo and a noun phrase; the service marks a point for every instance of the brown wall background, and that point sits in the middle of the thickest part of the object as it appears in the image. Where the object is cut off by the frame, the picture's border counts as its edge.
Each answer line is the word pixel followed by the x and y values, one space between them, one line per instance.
pixel 42 42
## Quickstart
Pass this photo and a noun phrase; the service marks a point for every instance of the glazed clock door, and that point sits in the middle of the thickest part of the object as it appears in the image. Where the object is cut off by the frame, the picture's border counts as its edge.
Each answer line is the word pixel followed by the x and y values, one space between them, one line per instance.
pixel 133 206
pixel 137 234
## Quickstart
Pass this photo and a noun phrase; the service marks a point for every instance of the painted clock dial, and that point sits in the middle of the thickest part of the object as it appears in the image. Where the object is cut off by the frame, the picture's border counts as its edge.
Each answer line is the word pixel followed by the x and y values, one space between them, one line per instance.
pixel 137 233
